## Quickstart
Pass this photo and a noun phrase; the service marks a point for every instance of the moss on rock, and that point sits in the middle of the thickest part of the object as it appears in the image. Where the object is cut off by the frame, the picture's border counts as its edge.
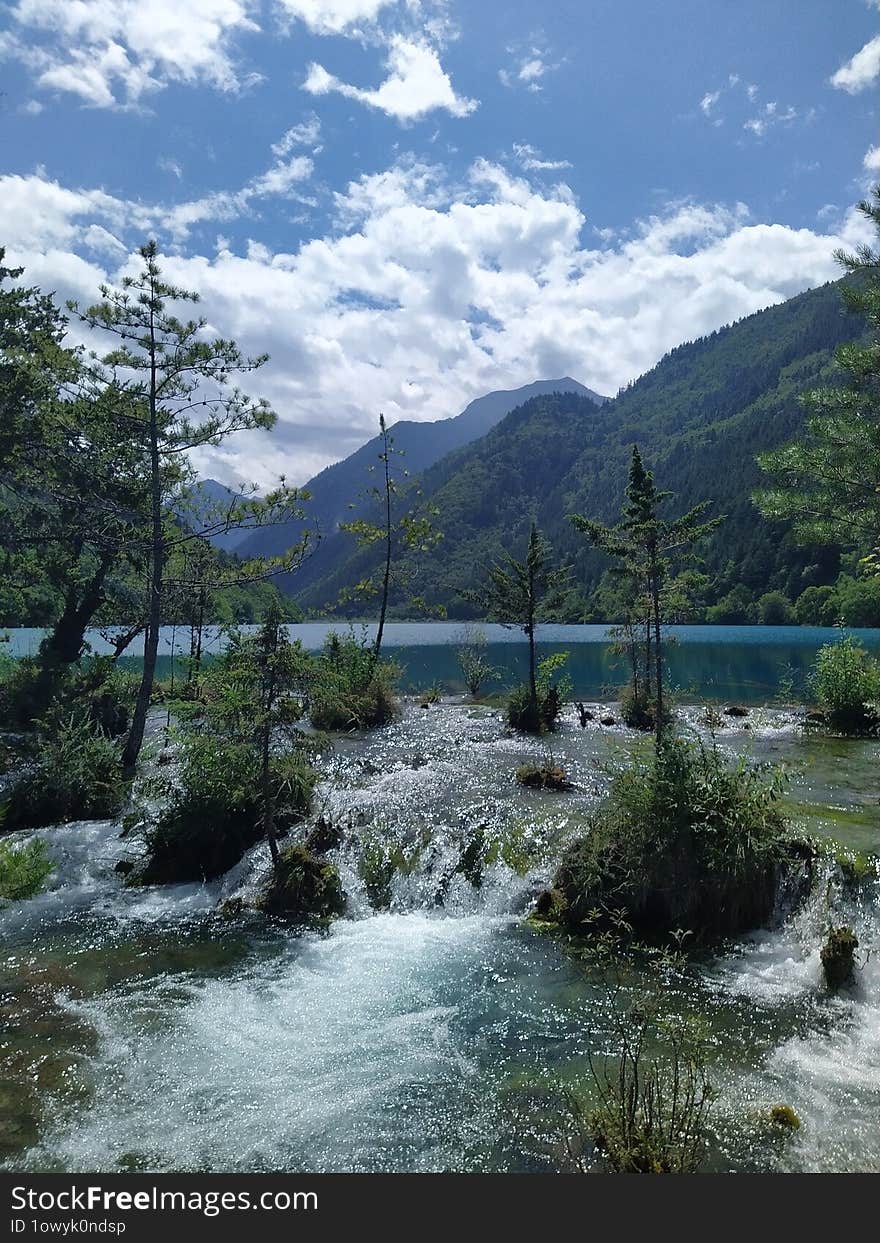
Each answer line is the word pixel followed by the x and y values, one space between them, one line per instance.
pixel 303 888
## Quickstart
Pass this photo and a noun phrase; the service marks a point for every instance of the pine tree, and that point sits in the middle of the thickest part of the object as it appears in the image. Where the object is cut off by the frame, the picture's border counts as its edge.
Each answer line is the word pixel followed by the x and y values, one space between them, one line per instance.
pixel 180 398
pixel 523 593
pixel 646 545
pixel 828 483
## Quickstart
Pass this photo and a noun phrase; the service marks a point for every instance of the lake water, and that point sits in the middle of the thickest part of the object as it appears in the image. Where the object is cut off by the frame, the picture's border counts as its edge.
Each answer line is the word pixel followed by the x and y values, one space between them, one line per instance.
pixel 747 663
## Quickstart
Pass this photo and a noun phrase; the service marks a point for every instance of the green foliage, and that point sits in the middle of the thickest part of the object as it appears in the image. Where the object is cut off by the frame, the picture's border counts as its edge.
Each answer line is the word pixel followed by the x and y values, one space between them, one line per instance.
pixel 545 776
pixel 644 546
pixel 828 482
pixel 653 1112
pixel 532 715
pixel 472 661
pixel 685 841
pixel 76 776
pixel 846 681
pixel 700 416
pixel 23 869
pixel 214 811
pixel 737 608
pixel 36 692
pixel 303 888
pixel 774 609
pixel 351 688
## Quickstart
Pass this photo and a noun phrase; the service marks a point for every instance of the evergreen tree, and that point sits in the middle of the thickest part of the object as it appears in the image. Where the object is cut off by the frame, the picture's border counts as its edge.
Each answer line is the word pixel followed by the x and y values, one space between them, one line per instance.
pixel 522 593
pixel 646 545
pixel 828 482
pixel 180 398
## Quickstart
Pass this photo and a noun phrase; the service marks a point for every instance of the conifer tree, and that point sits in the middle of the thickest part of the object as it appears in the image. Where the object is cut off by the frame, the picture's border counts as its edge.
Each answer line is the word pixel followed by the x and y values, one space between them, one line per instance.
pixel 827 484
pixel 646 545
pixel 181 398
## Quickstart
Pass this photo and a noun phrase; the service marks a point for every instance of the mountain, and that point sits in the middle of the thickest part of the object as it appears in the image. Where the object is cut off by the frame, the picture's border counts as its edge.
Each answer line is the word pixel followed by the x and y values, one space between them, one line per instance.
pixel 340 486
pixel 205 504
pixel 699 417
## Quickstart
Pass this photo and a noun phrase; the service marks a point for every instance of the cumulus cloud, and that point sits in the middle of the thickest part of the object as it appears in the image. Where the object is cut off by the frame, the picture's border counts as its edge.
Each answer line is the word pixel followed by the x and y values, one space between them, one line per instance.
pixel 333 17
pixel 427 293
pixel 859 72
pixel 872 160
pixel 416 83
pixel 111 51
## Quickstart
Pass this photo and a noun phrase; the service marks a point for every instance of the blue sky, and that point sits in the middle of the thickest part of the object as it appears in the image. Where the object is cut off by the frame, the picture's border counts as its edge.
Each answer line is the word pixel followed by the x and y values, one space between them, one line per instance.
pixel 408 202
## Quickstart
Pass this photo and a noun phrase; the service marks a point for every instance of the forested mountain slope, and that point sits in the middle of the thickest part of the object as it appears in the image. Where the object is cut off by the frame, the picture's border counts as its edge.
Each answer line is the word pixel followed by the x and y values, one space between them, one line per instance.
pixel 339 487
pixel 700 417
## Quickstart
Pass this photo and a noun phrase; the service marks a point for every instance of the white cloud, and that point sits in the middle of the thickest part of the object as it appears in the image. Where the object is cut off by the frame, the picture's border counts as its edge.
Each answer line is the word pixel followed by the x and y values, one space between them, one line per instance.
pixel 328 17
pixel 708 102
pixel 427 294
pixel 306 134
pixel 770 117
pixel 111 51
pixel 416 83
pixel 532 161
pixel 859 72
pixel 168 165
pixel 527 68
pixel 872 160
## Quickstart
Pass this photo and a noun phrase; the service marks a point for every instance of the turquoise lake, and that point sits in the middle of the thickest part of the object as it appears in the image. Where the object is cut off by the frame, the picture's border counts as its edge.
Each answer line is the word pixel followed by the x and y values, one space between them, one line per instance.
pixel 748 663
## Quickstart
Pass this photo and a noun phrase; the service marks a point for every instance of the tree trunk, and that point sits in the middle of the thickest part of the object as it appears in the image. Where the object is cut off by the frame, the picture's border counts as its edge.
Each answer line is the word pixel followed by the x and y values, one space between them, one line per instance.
pixel 65 644
pixel 658 656
pixel 386 580
pixel 135 739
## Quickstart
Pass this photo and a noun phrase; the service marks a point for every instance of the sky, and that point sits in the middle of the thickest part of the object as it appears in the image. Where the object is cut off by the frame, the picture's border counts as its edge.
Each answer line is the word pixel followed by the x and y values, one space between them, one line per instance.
pixel 408 203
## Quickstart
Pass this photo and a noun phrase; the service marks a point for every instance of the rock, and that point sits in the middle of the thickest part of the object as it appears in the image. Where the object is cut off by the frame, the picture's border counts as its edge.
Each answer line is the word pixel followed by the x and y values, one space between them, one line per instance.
pixel 543 777
pixel 838 957
pixel 124 867
pixel 584 714
pixel 783 1118
pixel 815 716
pixel 324 837
pixel 607 720
pixel 303 888
pixel 549 906
pixel 736 710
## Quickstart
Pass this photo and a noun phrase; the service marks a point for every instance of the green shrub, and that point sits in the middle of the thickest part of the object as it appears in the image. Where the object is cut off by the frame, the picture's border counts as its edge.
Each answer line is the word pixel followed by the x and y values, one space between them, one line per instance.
pixel 303 888
pixel 475 668
pixel 23 869
pixel 214 810
pixel 846 681
pixel 639 711
pixel 817 606
pixel 540 715
pixel 76 776
pixel 351 689
pixel 653 1111
pixel 774 609
pixel 35 694
pixel 684 842
pixel 546 776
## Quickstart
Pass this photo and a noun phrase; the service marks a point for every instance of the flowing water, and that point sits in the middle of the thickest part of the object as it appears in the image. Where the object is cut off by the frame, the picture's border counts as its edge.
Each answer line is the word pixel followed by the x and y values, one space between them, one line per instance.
pixel 145 1031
